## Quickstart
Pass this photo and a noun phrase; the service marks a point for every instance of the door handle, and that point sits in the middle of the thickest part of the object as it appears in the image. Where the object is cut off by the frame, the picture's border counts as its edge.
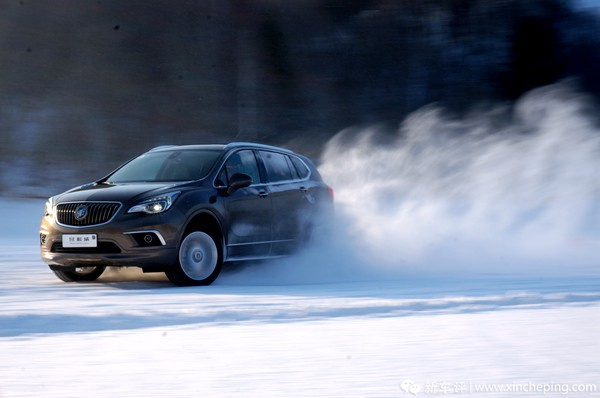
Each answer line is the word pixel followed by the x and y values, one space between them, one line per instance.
pixel 303 189
pixel 263 194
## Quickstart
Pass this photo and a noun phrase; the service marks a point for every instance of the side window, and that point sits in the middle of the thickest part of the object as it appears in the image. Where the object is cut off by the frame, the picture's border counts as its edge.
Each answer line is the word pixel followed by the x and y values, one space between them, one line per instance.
pixel 277 166
pixel 300 167
pixel 240 162
pixel 292 168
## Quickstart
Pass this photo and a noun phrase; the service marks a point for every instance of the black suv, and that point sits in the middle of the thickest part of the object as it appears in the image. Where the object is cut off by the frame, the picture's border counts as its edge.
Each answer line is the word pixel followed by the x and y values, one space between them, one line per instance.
pixel 184 210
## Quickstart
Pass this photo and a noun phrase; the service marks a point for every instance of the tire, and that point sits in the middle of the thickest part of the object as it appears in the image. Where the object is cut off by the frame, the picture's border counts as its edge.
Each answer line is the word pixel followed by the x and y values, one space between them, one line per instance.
pixel 80 274
pixel 199 260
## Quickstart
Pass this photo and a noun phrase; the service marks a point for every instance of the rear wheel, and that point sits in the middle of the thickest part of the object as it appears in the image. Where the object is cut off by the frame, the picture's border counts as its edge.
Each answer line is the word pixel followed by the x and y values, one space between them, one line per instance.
pixel 199 261
pixel 80 274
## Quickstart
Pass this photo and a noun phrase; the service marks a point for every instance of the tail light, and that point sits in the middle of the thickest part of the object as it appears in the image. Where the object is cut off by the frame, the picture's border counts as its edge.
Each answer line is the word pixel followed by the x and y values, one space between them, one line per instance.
pixel 330 192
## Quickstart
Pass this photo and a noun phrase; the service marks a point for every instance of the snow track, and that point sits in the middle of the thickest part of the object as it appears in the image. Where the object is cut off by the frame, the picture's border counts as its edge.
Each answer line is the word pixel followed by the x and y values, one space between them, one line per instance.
pixel 136 335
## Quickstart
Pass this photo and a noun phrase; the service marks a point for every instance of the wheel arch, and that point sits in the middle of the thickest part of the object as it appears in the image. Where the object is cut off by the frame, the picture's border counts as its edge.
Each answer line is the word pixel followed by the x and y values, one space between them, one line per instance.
pixel 206 220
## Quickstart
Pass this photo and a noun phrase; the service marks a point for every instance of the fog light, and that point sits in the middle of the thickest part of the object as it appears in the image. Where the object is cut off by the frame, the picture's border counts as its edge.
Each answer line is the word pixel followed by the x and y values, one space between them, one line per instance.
pixel 147 238
pixel 43 239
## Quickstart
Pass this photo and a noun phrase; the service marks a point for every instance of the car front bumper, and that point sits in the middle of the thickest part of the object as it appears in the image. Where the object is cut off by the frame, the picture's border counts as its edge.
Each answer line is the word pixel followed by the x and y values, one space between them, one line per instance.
pixel 119 243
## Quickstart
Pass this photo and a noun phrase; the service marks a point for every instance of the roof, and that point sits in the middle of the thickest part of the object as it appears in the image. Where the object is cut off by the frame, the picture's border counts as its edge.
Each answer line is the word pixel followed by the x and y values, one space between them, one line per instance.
pixel 183 147
pixel 231 145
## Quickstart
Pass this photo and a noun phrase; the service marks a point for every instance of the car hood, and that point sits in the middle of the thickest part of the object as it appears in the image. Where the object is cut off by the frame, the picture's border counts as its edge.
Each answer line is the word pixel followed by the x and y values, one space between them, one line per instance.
pixel 126 193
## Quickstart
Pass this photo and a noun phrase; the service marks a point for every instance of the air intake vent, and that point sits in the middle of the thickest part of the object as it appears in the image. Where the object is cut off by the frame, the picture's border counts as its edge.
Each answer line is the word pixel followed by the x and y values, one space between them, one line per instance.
pixel 103 248
pixel 85 214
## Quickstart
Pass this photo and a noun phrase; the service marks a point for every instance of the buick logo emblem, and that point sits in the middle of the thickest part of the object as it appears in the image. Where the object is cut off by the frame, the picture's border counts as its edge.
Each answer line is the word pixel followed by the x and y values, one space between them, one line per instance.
pixel 81 212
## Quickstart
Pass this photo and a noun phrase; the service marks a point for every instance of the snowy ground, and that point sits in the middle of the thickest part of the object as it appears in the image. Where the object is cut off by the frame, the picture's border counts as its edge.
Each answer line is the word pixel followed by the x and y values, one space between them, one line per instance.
pixel 258 333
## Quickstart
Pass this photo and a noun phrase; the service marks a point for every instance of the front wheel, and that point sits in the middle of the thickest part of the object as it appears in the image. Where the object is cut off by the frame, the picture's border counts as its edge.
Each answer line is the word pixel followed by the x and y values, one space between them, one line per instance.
pixel 80 274
pixel 200 261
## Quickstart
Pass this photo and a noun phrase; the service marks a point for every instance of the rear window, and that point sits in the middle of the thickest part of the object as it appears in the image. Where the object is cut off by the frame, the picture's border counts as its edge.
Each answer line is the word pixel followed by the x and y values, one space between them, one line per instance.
pixel 180 165
pixel 277 166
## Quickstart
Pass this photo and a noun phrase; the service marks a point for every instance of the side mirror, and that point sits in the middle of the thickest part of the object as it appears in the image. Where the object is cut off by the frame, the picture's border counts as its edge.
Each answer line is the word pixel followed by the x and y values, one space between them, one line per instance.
pixel 237 181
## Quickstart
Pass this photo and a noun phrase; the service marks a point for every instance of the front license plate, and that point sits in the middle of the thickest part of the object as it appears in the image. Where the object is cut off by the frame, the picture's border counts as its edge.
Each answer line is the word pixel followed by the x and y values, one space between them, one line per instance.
pixel 80 240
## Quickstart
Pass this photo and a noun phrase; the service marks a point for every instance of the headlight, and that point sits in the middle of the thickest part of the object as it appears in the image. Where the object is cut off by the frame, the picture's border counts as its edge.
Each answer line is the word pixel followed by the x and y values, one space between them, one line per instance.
pixel 49 210
pixel 155 205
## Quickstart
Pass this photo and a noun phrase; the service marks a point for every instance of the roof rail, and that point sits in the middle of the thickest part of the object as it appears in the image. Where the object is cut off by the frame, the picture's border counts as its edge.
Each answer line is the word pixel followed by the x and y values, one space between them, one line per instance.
pixel 255 145
pixel 158 148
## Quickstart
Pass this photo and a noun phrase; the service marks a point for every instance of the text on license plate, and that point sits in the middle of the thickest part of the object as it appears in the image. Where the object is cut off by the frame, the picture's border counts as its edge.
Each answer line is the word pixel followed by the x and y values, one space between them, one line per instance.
pixel 80 240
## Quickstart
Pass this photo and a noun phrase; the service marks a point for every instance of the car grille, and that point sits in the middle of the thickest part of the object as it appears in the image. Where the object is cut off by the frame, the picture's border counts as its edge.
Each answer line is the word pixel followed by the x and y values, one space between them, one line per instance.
pixel 70 214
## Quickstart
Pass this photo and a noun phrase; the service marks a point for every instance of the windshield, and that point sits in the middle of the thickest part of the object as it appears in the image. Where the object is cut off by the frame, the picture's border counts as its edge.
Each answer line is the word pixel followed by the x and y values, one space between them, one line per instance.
pixel 177 165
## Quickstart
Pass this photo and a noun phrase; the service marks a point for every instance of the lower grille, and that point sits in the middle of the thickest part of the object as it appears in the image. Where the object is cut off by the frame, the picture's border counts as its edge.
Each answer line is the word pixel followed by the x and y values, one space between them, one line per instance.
pixel 84 214
pixel 103 248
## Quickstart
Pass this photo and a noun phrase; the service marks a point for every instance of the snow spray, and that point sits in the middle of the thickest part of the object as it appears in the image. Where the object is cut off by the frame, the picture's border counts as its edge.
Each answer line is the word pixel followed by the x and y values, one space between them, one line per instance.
pixel 510 189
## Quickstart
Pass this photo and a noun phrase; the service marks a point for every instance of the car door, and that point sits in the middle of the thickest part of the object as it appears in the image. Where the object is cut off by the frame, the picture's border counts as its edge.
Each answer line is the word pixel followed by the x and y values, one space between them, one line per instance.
pixel 287 201
pixel 248 211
